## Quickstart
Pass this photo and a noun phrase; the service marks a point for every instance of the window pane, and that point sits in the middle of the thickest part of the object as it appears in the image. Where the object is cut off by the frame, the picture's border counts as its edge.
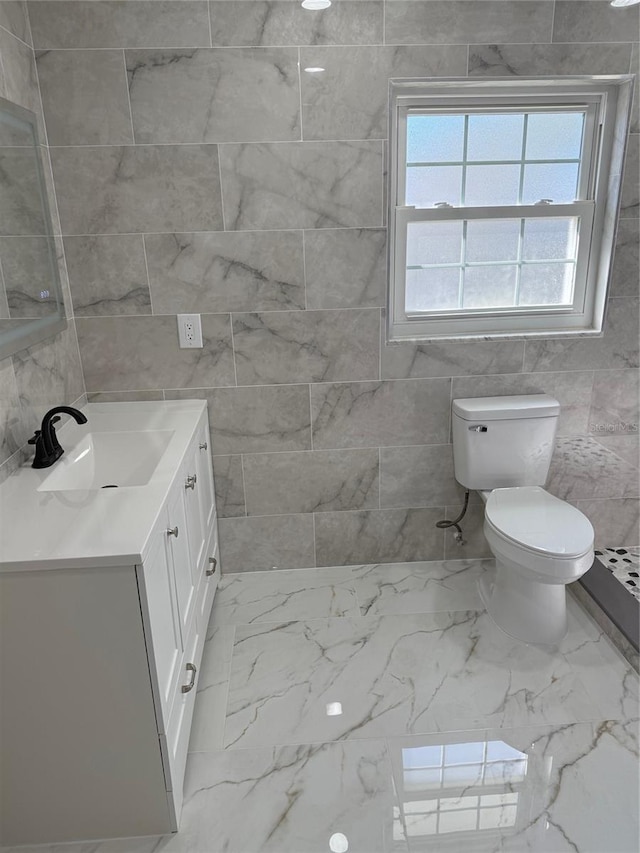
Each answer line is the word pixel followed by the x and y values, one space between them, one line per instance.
pixel 492 185
pixel 434 243
pixel 557 181
pixel 549 239
pixel 498 818
pixel 434 289
pixel 427 185
pixel 492 240
pixel 458 821
pixel 499 749
pixel 416 780
pixel 554 136
pixel 547 284
pixel 495 137
pixel 432 139
pixel 422 756
pixel 489 287
pixel 464 753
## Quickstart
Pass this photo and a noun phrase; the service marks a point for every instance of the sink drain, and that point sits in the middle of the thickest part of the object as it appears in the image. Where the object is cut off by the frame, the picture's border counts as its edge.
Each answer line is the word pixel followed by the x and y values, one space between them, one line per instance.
pixel 110 486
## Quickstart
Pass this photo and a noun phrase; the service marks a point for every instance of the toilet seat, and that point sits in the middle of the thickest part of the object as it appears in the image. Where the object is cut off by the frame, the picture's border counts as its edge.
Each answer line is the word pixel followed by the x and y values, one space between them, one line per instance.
pixel 530 518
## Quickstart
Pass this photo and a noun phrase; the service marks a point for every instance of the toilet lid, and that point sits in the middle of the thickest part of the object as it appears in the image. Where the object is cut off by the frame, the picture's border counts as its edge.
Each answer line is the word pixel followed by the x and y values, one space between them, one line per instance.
pixel 533 518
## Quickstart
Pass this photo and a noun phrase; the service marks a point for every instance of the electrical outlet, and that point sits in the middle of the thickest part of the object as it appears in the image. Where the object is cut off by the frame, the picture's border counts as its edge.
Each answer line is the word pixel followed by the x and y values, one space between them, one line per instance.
pixel 189 331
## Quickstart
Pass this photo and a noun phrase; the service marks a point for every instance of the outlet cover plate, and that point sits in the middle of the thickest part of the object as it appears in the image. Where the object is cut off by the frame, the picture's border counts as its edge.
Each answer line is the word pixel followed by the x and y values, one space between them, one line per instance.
pixel 189 331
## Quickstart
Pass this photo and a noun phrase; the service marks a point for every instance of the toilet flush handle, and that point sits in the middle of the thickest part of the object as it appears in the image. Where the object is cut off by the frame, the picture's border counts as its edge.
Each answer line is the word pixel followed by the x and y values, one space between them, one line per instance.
pixel 478 428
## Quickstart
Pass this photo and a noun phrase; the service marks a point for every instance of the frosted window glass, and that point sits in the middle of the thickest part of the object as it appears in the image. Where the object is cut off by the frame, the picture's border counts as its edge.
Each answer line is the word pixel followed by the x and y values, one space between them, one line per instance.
pixel 434 289
pixel 554 136
pixel 557 181
pixel 427 185
pixel 498 818
pixel 499 749
pixel 434 243
pixel 505 771
pixel 432 139
pixel 495 137
pixel 490 287
pixel 492 185
pixel 463 775
pixel 463 753
pixel 419 825
pixel 547 284
pixel 416 780
pixel 549 239
pixel 422 756
pixel 492 240
pixel 458 821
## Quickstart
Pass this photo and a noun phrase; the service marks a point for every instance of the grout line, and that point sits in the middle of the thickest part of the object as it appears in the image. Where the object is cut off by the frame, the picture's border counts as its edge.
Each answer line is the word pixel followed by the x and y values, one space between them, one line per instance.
pixel 146 266
pixel 126 83
pixel 210 143
pixel 17 37
pixel 335 46
pixel 304 268
pixel 209 22
pixel 224 224
pixel 315 556
pixel 384 22
pixel 244 487
pixel 233 351
pixel 310 418
pixel 241 231
pixel 300 93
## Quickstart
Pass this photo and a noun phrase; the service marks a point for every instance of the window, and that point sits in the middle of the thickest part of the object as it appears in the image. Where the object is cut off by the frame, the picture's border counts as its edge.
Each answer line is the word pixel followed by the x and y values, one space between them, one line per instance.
pixel 502 205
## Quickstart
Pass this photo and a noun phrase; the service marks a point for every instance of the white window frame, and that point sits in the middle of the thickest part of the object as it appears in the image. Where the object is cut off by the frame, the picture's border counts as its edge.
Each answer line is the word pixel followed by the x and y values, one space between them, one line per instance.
pixel 606 101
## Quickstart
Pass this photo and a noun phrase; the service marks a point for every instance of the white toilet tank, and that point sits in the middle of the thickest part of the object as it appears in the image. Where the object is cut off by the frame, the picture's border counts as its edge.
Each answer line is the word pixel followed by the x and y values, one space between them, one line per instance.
pixel 500 442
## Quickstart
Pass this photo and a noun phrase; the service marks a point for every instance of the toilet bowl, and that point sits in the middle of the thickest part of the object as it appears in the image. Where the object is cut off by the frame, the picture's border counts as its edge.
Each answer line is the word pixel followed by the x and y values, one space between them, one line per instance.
pixel 502 447
pixel 540 543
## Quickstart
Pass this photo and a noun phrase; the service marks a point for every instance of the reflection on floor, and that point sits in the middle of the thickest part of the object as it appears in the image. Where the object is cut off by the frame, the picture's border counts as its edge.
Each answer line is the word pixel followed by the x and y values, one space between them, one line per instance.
pixel 377 709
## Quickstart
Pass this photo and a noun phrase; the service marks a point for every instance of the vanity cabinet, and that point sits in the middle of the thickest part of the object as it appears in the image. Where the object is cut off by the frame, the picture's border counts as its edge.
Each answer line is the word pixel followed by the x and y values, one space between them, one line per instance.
pixel 99 672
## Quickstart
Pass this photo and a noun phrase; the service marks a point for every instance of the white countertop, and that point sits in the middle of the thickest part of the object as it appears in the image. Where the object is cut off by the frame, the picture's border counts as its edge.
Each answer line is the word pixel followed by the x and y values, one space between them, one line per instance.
pixel 98 527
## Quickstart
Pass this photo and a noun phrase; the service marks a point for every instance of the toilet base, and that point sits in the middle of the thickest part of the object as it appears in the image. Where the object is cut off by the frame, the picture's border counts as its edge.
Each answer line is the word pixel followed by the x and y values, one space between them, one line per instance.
pixel 525 609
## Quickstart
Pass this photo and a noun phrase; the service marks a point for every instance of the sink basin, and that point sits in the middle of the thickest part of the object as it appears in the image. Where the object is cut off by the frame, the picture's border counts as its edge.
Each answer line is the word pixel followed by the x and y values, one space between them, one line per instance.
pixel 108 459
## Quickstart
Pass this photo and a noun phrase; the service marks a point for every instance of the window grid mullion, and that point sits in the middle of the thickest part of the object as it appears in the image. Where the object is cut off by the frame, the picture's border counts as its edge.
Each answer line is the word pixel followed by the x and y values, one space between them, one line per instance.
pixel 525 129
pixel 516 297
pixel 461 275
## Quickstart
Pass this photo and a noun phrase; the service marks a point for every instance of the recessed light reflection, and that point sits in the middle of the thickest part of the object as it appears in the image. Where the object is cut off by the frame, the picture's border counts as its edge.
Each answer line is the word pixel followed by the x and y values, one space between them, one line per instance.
pixel 314 69
pixel 338 843
pixel 316 4
pixel 333 709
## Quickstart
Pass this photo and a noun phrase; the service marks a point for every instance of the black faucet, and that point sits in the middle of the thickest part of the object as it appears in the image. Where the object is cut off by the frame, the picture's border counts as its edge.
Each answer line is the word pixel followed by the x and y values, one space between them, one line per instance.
pixel 47 446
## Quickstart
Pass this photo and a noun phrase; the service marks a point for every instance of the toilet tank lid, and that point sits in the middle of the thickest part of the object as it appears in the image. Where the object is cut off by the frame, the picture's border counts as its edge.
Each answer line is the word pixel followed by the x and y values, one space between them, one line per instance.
pixel 506 408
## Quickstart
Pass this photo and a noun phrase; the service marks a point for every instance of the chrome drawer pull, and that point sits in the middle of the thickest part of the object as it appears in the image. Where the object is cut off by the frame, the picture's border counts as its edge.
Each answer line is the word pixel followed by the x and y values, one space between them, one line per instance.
pixel 203 446
pixel 212 570
pixel 191 481
pixel 172 531
pixel 186 688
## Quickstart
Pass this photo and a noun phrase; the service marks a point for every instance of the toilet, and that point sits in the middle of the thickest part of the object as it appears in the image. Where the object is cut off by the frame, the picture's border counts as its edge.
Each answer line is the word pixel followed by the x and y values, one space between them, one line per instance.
pixel 502 448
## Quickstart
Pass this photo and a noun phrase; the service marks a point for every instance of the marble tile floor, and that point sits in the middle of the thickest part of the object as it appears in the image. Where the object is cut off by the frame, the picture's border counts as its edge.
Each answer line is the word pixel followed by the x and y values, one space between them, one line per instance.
pixel 376 708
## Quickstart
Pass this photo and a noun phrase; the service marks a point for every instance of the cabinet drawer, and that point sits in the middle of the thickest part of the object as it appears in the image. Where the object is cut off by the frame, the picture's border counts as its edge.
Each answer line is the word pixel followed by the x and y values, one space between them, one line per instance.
pixel 175 742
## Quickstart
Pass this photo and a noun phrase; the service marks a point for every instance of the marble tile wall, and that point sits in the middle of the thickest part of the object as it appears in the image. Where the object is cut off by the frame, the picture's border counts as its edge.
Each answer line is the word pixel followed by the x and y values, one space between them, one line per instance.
pixel 202 166
pixel 49 373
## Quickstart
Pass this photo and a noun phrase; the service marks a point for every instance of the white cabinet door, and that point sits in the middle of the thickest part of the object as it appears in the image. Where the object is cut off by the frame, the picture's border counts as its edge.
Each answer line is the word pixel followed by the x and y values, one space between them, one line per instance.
pixel 193 486
pixel 181 558
pixel 175 742
pixel 160 615
pixel 206 495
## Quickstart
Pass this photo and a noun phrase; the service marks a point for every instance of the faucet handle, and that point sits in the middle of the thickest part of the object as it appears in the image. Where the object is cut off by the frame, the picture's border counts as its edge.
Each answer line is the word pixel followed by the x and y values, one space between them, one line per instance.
pixel 35 437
